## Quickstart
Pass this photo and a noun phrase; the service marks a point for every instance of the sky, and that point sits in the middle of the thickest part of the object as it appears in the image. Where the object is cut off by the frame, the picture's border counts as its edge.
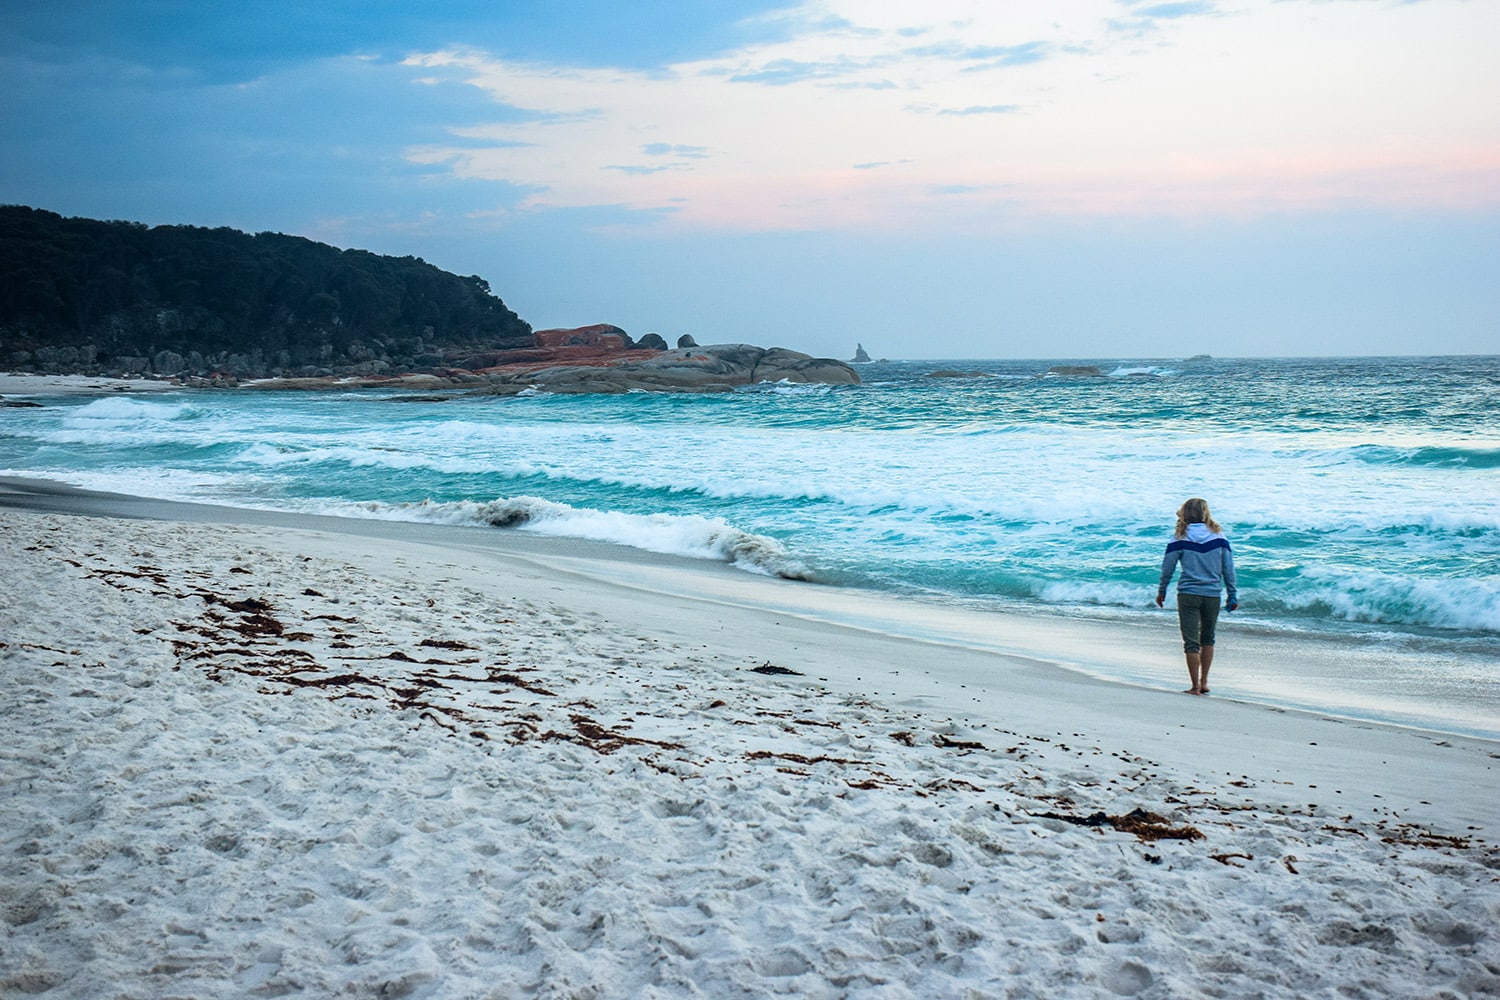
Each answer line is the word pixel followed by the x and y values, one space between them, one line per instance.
pixel 1079 179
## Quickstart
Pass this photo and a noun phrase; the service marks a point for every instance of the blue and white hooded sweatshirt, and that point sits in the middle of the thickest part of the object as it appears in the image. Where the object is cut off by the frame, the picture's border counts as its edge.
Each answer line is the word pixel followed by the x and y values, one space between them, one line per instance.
pixel 1207 564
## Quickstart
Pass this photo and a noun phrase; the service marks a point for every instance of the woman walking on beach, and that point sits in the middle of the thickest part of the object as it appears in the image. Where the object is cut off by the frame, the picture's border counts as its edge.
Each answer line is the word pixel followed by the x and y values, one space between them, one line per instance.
pixel 1198 545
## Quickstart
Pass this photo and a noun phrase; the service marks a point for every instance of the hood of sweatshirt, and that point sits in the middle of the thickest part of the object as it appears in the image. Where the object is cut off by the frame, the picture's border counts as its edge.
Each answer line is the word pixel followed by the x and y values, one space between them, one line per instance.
pixel 1198 532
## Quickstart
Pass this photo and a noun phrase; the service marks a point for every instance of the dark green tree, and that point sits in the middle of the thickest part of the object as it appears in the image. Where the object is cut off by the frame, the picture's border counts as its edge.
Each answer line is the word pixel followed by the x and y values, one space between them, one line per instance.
pixel 78 288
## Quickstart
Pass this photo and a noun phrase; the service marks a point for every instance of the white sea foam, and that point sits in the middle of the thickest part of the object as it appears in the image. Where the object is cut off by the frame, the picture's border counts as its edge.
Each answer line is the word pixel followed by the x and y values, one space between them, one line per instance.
pixel 1103 594
pixel 115 421
pixel 1157 371
pixel 786 387
pixel 355 456
pixel 1387 598
pixel 694 537
pixel 125 409
pixel 157 483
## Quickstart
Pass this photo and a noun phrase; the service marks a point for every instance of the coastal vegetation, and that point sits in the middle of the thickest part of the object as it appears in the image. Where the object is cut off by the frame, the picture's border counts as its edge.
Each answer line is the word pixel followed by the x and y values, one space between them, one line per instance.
pixel 94 297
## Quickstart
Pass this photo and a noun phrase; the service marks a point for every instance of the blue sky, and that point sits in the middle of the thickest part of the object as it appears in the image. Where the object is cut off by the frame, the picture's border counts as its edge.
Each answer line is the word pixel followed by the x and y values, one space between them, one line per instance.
pixel 950 179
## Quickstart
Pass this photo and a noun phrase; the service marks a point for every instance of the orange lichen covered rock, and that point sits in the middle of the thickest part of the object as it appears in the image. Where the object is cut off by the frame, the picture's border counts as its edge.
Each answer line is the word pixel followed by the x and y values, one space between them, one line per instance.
pixel 600 335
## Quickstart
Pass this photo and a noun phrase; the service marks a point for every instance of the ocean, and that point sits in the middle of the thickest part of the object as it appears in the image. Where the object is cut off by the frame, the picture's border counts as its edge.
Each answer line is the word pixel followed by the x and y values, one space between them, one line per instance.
pixel 1361 495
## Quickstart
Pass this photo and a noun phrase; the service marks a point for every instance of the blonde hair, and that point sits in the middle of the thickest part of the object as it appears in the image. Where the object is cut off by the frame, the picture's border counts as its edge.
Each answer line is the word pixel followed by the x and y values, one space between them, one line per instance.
pixel 1193 511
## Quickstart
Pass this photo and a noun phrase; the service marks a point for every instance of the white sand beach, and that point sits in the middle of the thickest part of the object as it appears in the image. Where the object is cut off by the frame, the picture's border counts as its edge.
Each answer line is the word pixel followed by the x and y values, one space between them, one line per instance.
pixel 268 755
pixel 25 384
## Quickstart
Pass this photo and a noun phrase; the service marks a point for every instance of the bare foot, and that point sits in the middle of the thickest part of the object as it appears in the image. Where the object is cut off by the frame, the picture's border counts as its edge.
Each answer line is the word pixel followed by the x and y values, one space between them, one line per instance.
pixel 1204 691
pixel 1191 691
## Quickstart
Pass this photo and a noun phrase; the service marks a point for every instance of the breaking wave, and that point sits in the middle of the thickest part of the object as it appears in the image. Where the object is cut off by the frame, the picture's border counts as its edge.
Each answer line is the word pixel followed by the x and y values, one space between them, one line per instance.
pixel 1392 599
pixel 1452 456
pixel 120 409
pixel 691 536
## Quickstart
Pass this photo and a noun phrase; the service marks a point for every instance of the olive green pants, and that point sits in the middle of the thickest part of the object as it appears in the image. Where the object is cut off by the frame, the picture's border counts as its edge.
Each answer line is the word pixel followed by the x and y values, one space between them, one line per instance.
pixel 1199 617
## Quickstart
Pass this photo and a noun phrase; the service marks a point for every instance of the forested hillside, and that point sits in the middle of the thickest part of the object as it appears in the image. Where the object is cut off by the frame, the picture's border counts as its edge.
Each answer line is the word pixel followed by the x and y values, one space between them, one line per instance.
pixel 81 295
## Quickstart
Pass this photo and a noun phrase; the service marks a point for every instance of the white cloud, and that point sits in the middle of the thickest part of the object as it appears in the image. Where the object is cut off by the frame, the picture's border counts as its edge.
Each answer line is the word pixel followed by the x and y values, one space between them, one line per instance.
pixel 975 109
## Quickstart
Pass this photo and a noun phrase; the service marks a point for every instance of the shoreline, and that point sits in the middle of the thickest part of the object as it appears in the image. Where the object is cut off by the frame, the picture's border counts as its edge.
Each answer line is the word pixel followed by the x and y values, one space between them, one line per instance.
pixel 259 754
pixel 971 659
pixel 1282 670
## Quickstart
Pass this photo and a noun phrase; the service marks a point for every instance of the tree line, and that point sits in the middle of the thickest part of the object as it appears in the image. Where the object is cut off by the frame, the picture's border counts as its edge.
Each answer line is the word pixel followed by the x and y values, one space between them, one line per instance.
pixel 85 295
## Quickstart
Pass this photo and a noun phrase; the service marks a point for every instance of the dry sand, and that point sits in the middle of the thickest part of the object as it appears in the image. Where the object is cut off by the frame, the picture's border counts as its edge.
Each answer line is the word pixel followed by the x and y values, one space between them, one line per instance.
pixel 16 384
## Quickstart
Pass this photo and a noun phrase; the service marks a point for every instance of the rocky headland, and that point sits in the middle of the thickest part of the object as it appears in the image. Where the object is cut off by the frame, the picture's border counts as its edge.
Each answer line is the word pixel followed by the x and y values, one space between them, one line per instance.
pixel 596 360
pixel 222 308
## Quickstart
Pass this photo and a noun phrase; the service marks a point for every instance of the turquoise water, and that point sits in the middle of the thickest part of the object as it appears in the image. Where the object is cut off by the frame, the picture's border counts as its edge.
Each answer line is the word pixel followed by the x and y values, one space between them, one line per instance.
pixel 1362 496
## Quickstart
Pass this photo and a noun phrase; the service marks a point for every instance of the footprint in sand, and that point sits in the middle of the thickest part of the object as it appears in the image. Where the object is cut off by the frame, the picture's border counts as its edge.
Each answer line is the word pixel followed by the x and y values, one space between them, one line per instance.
pixel 1452 935
pixel 783 964
pixel 1129 979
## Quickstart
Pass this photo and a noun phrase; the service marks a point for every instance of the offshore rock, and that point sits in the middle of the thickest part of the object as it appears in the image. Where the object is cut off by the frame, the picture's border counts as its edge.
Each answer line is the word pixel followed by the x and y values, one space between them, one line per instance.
pixel 716 368
pixel 781 365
